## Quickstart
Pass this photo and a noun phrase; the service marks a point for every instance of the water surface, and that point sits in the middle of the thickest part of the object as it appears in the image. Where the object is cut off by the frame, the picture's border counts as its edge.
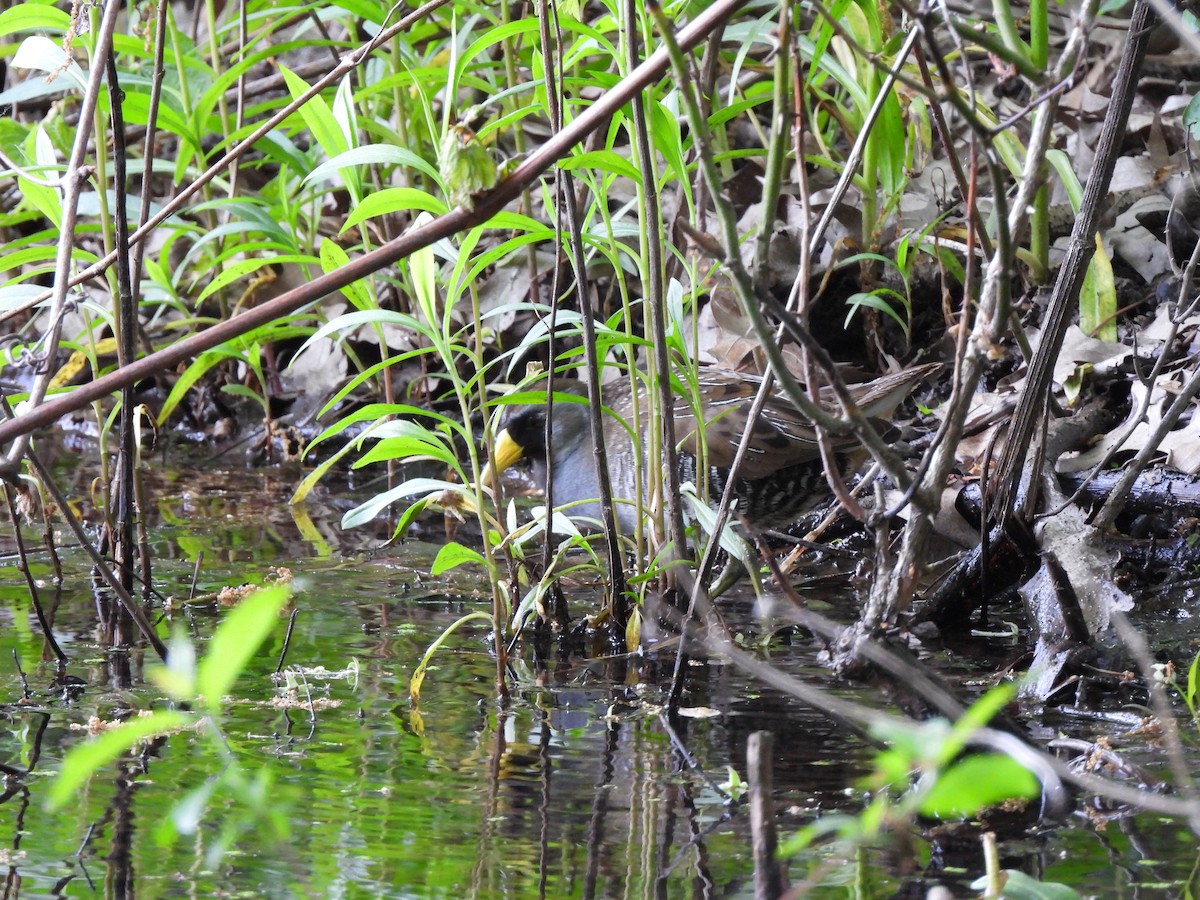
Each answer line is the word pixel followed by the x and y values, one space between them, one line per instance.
pixel 579 788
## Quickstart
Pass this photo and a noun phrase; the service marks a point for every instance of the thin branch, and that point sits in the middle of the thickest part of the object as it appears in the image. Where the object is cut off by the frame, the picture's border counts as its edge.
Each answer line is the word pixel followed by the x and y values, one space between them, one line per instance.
pixel 486 205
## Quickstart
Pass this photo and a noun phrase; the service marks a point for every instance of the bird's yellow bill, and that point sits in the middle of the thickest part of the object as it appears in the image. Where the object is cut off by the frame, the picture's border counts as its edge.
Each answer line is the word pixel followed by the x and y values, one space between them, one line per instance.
pixel 505 452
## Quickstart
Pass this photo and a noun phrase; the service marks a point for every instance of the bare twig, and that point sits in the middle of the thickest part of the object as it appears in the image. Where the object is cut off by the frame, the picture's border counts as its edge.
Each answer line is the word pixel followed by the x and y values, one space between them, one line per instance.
pixel 1079 253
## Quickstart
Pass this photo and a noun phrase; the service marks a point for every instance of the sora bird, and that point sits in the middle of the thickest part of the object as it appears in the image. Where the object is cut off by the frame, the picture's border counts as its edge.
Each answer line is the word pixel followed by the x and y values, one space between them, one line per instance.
pixel 778 476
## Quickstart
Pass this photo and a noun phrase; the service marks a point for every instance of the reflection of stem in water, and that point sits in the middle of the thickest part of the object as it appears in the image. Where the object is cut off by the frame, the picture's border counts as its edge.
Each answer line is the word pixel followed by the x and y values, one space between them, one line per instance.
pixel 23 565
pixel 544 810
pixel 687 802
pixel 595 835
pixel 688 763
pixel 119 880
pixel 491 806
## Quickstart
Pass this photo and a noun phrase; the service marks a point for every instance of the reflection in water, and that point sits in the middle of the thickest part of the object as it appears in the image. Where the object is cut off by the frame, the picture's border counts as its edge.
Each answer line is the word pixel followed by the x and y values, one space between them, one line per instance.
pixel 578 789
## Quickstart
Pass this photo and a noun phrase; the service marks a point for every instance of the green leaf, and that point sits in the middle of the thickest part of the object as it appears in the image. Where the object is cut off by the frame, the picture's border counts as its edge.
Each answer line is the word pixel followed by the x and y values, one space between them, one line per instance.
pixel 43 198
pixel 1019 886
pixel 453 555
pixel 409 516
pixel 371 155
pixel 333 257
pixel 1193 672
pixel 190 376
pixel 136 109
pixel 313 478
pixel 418 678
pixel 377 504
pixel 667 138
pixel 15 295
pixel 247 266
pixel 394 200
pixel 830 824
pixel 240 390
pixel 976 716
pixel 178 677
pixel 237 639
pixel 40 53
pixel 347 119
pixel 352 320
pixel 605 160
pixel 731 542
pixel 91 756
pixel 1066 173
pixel 513 221
pixel 189 812
pixel 33 17
pixel 1098 297
pixel 977 782
pixel 317 115
pixel 633 637
pixel 856 258
pixel 875 300
pixel 423 271
pixel 525 25
pixel 1191 116
pixel 406 448
pixel 280 148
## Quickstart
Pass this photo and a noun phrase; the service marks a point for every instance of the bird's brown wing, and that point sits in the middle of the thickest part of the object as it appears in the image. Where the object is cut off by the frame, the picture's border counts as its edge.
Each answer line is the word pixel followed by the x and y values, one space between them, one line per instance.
pixel 781 436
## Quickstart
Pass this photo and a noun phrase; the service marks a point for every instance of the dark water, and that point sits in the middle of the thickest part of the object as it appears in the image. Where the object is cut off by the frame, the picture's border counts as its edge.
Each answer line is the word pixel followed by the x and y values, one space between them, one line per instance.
pixel 578 789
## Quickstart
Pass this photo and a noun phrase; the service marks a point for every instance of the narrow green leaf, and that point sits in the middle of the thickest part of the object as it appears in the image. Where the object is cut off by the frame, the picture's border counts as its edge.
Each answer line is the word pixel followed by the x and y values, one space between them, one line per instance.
pixel 350 321
pixel 39 52
pixel 414 686
pixel 667 138
pixel 377 504
pixel 15 295
pixel 409 516
pixel 190 376
pixel 347 119
pixel 33 17
pixel 1019 886
pixel 1098 297
pixel 247 266
pixel 605 160
pixel 874 300
pixel 976 716
pixel 316 115
pixel 237 639
pixel 526 25
pixel 1193 672
pixel 189 812
pixel 240 390
pixel 453 555
pixel 405 449
pixel 313 478
pixel 423 271
pixel 977 782
pixel 371 155
pixel 178 677
pixel 391 201
pixel 43 198
pixel 1191 116
pixel 333 257
pixel 89 757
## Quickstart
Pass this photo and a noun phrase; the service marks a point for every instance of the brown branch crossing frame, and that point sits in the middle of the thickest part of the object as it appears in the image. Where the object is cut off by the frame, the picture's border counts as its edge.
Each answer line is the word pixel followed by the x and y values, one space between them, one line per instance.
pixel 487 204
